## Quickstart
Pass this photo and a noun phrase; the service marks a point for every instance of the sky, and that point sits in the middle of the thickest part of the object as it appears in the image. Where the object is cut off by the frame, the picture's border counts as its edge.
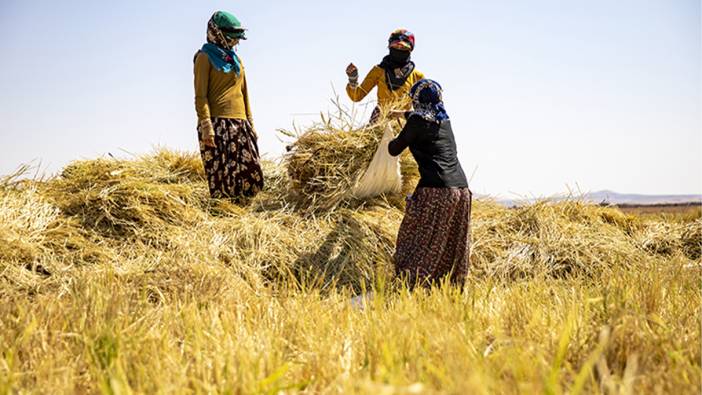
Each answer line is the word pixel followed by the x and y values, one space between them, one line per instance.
pixel 544 96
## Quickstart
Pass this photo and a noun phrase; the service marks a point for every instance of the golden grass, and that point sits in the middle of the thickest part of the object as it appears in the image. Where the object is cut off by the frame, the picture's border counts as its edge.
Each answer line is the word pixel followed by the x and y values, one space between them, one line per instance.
pixel 681 212
pixel 122 276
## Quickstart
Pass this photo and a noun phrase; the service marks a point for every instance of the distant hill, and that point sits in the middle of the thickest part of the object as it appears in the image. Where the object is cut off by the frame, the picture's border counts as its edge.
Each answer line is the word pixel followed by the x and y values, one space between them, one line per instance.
pixel 629 198
pixel 612 197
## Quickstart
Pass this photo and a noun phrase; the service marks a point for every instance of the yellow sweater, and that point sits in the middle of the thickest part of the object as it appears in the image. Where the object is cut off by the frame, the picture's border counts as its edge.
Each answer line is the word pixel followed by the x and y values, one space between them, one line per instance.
pixel 385 96
pixel 219 94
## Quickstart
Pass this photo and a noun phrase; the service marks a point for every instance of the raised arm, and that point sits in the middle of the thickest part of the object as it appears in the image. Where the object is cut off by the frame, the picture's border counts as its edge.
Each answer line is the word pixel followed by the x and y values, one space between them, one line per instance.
pixel 357 93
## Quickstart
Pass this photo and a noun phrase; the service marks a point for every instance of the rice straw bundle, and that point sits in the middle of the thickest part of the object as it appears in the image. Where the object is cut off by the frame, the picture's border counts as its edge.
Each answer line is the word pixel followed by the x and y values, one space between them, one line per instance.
pixel 124 198
pixel 324 165
pixel 154 214
pixel 692 240
pixel 328 159
pixel 661 238
pixel 554 239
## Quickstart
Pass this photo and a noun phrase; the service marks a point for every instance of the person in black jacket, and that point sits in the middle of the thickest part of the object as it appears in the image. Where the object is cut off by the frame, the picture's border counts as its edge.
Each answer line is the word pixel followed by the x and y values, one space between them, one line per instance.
pixel 434 237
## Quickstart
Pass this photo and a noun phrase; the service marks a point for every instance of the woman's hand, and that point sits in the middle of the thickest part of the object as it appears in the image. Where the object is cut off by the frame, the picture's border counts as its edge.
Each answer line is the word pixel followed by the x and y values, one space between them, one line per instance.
pixel 207 133
pixel 396 114
pixel 352 70
pixel 209 141
pixel 352 73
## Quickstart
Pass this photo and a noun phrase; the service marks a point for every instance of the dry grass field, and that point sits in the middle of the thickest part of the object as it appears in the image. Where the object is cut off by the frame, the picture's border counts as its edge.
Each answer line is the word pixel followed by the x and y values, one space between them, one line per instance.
pixel 685 212
pixel 122 276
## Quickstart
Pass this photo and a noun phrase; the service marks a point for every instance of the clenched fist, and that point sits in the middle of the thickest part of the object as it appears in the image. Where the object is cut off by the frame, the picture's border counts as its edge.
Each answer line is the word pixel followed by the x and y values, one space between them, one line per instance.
pixel 352 70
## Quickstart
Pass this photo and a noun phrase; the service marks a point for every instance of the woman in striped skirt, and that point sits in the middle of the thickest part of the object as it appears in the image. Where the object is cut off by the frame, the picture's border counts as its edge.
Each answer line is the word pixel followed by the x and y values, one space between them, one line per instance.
pixel 228 142
pixel 434 238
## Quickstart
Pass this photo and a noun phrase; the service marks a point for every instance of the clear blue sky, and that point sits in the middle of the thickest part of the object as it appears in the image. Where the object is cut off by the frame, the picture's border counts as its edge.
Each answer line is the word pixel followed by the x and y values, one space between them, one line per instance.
pixel 543 94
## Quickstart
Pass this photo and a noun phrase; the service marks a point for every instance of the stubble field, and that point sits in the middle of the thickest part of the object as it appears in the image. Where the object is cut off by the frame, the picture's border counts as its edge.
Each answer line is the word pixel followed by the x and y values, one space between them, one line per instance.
pixel 122 276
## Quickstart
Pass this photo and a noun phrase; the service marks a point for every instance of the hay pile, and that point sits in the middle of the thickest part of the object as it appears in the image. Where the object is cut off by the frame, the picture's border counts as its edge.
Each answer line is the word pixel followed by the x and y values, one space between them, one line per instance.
pixel 36 236
pixel 327 160
pixel 692 240
pixel 153 215
pixel 139 198
pixel 557 239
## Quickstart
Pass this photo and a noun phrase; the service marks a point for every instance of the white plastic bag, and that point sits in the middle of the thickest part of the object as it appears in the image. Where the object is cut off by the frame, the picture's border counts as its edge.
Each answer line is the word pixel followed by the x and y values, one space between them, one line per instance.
pixel 383 173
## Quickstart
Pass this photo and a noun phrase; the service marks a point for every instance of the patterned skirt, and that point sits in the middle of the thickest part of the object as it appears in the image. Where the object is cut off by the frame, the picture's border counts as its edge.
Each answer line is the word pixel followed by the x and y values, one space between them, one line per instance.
pixel 233 166
pixel 434 237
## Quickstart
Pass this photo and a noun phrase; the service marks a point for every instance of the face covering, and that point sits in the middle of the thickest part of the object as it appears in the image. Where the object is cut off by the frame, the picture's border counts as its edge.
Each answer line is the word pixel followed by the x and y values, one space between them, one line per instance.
pixel 399 57
pixel 398 67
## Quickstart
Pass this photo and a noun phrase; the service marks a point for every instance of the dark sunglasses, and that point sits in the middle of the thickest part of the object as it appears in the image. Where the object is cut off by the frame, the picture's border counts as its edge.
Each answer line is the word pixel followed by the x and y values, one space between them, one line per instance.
pixel 232 30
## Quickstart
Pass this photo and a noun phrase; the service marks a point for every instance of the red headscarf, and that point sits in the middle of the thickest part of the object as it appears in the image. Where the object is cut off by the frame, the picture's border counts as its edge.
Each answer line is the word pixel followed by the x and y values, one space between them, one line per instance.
pixel 401 39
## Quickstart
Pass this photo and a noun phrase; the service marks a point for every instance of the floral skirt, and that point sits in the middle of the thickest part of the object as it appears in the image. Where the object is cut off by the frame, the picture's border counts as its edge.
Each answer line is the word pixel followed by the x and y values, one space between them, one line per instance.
pixel 434 237
pixel 232 166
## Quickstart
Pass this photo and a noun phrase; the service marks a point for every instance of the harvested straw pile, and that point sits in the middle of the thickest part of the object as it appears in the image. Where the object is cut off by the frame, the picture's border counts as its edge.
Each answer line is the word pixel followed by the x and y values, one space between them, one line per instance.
pixel 123 198
pixel 324 165
pixel 153 214
pixel 692 240
pixel 38 242
pixel 328 159
pixel 557 239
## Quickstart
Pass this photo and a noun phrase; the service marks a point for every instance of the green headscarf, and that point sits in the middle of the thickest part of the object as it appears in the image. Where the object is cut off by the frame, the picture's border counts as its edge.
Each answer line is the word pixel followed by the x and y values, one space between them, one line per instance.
pixel 223 28
pixel 223 31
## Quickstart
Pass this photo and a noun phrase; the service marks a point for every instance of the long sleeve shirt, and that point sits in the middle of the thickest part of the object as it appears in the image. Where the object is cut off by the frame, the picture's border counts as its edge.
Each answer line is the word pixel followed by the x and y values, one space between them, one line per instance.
pixel 376 77
pixel 433 146
pixel 219 94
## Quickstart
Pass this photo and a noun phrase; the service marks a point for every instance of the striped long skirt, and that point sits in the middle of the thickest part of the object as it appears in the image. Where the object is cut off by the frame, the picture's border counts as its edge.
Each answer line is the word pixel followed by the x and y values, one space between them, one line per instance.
pixel 232 166
pixel 434 238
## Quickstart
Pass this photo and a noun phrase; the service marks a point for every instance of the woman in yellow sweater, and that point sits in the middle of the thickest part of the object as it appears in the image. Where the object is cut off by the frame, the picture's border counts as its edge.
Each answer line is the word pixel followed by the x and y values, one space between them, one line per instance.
pixel 225 126
pixel 394 76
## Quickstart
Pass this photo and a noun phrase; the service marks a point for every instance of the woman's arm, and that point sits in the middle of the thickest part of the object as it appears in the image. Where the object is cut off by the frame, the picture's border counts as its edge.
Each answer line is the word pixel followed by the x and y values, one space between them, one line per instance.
pixel 247 103
pixel 202 106
pixel 202 76
pixel 357 93
pixel 405 138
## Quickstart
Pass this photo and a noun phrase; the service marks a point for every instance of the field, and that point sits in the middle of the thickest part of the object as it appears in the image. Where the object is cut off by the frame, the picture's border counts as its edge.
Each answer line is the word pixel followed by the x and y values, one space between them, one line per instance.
pixel 122 276
pixel 686 211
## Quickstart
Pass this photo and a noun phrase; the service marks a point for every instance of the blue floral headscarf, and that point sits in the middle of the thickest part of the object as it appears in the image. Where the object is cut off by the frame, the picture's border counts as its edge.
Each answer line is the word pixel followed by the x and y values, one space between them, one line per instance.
pixel 427 101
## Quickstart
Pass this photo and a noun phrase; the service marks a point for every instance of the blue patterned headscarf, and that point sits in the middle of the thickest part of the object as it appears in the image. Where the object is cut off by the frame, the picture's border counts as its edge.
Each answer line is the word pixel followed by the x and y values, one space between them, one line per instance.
pixel 223 29
pixel 427 101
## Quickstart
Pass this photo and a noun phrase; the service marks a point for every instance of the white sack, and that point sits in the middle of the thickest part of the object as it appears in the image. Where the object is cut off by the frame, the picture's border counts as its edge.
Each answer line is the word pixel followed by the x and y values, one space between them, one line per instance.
pixel 383 173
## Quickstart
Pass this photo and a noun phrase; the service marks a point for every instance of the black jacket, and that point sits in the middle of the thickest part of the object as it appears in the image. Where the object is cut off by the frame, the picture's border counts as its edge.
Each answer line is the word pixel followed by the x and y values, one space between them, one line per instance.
pixel 434 148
